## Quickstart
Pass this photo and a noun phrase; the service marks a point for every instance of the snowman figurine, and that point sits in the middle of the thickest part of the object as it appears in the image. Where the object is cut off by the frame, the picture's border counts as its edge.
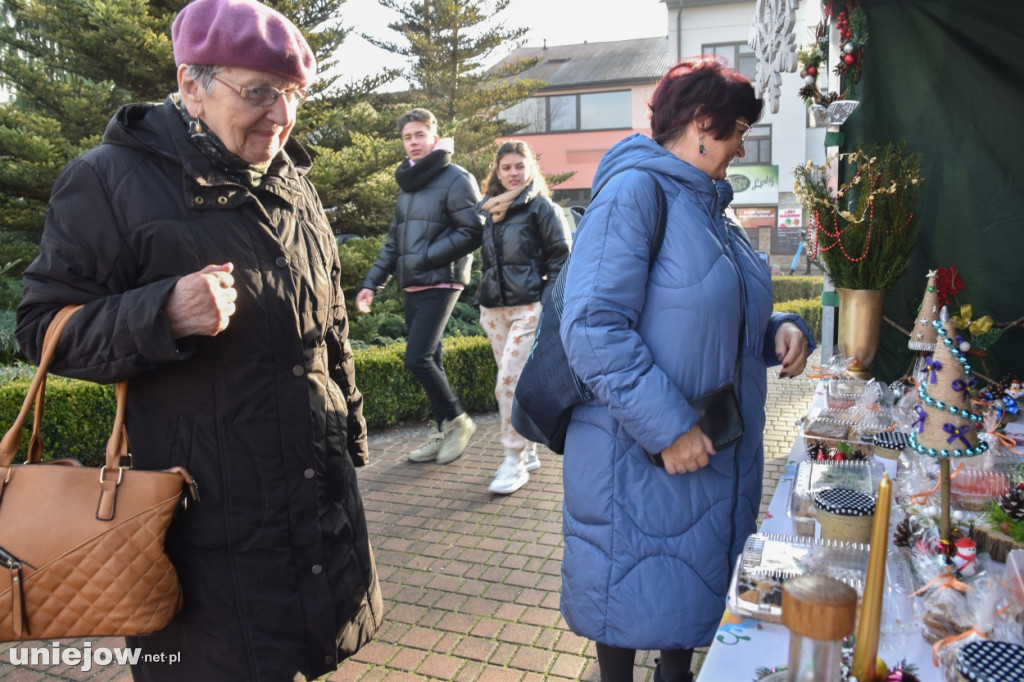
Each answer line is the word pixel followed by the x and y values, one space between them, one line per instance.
pixel 966 557
pixel 1016 389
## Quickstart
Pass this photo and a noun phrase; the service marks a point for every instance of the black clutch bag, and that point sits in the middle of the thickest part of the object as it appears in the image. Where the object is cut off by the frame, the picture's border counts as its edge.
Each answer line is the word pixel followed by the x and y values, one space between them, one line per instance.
pixel 719 418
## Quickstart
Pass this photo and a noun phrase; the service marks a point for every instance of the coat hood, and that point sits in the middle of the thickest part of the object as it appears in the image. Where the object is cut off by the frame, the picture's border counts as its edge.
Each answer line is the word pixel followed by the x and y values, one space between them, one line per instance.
pixel 158 129
pixel 641 152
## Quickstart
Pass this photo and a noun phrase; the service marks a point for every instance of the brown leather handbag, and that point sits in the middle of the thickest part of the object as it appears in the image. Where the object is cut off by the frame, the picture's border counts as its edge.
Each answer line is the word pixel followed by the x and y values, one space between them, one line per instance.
pixel 82 549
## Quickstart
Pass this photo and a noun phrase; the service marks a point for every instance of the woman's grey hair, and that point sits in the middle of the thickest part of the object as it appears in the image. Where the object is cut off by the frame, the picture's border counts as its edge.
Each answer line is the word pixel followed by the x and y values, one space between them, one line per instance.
pixel 202 74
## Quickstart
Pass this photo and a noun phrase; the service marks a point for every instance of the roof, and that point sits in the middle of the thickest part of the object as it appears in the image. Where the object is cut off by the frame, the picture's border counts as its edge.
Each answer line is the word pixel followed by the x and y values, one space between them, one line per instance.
pixel 593 64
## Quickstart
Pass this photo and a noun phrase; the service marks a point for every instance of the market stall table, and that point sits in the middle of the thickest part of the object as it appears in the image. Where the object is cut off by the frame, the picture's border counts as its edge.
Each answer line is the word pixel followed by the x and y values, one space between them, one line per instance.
pixel 743 645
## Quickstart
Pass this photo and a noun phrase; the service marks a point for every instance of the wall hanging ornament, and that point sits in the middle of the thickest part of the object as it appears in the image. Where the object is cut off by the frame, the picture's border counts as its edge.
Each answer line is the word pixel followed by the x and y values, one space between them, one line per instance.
pixel 849 20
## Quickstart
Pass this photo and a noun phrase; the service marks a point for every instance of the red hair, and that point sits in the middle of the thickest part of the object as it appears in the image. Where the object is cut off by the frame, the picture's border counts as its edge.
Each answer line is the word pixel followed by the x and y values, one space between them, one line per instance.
pixel 698 88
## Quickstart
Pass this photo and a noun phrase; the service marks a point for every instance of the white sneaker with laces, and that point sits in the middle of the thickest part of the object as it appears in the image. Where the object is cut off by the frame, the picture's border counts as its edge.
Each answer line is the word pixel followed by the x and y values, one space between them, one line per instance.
pixel 531 459
pixel 511 476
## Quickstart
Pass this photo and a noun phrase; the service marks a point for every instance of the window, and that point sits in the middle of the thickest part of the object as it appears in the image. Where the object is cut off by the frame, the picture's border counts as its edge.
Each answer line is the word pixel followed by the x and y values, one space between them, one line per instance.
pixel 604 110
pixel 758 148
pixel 562 113
pixel 739 55
pixel 531 113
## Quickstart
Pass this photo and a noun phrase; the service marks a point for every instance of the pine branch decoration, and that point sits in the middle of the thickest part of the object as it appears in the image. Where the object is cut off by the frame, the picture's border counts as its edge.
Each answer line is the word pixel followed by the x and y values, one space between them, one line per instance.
pixel 863 234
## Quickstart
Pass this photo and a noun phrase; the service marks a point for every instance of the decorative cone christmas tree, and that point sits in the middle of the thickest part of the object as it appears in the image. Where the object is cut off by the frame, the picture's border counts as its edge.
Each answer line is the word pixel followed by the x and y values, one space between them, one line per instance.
pixel 947 428
pixel 923 336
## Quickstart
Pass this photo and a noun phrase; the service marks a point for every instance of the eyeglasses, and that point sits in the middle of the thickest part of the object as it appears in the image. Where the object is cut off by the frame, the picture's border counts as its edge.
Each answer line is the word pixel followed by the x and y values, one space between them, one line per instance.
pixel 746 131
pixel 264 95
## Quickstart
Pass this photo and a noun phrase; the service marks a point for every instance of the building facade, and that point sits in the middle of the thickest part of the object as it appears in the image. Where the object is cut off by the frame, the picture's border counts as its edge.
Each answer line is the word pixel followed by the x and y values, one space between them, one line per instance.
pixel 597 94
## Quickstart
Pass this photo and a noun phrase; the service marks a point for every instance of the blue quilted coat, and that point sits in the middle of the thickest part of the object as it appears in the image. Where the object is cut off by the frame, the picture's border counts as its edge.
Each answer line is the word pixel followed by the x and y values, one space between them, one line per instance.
pixel 648 556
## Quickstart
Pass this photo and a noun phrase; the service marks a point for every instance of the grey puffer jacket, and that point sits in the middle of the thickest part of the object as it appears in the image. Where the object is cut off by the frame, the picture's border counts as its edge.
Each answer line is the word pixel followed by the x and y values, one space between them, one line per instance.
pixel 274 559
pixel 524 252
pixel 436 226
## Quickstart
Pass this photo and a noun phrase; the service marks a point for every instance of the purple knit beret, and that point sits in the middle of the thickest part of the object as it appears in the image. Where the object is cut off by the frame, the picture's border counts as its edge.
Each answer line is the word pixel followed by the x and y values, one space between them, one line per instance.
pixel 242 33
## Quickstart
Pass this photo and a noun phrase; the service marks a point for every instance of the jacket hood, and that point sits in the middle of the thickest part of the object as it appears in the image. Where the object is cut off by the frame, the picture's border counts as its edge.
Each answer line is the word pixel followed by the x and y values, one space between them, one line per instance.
pixel 641 152
pixel 159 129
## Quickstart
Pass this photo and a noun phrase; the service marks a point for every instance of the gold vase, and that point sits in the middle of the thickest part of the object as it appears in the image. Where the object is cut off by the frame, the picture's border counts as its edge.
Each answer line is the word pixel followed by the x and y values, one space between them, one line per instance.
pixel 860 327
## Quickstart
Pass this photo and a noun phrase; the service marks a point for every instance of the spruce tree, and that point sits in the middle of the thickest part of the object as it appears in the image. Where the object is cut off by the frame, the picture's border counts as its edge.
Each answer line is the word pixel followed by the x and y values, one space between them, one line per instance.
pixel 448 43
pixel 66 65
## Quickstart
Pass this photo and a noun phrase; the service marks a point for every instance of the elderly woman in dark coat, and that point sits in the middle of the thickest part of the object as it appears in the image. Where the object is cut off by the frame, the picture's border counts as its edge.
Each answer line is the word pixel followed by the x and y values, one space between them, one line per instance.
pixel 210 279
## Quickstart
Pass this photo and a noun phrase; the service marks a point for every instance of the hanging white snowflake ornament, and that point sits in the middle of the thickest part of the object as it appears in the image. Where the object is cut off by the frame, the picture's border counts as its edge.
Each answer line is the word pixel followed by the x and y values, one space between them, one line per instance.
pixel 773 38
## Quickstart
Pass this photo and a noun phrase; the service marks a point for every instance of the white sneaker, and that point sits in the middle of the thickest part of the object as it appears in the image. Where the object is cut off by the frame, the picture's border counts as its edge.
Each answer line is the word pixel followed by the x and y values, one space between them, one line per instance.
pixel 428 452
pixel 511 476
pixel 457 433
pixel 531 459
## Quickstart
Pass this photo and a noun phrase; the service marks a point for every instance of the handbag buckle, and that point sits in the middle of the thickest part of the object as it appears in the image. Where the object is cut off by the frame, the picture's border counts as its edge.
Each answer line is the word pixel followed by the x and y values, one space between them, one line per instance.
pixel 120 474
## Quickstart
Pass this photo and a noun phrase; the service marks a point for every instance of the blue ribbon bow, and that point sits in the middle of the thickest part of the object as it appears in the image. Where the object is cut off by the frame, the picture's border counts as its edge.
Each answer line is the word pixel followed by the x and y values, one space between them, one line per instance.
pixel 956 432
pixel 960 386
pixel 919 422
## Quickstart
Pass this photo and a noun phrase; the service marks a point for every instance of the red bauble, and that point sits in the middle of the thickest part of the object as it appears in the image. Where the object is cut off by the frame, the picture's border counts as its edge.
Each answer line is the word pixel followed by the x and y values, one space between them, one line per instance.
pixel 812 71
pixel 849 58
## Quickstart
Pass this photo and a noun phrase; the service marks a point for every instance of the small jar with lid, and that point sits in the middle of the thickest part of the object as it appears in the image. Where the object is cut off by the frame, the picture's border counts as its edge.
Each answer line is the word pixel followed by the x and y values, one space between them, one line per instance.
pixel 985 660
pixel 845 515
pixel 819 612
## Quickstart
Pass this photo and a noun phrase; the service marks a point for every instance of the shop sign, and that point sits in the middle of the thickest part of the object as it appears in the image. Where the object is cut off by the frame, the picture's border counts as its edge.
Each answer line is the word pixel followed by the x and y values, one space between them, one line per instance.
pixel 790 222
pixel 754 185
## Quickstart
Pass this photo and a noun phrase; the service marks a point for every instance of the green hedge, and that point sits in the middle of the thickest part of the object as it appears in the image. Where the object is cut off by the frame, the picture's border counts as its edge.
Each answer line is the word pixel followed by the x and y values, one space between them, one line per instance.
pixel 809 309
pixel 77 422
pixel 391 395
pixel 79 414
pixel 792 288
pixel 10 352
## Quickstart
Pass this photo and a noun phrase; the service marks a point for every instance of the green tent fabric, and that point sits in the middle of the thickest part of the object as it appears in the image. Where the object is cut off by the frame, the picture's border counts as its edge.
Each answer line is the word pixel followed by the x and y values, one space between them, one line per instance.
pixel 948 77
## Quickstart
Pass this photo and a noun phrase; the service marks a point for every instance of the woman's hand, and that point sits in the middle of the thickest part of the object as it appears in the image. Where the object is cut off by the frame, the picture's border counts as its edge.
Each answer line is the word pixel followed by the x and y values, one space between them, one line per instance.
pixel 202 303
pixel 363 300
pixel 689 453
pixel 791 349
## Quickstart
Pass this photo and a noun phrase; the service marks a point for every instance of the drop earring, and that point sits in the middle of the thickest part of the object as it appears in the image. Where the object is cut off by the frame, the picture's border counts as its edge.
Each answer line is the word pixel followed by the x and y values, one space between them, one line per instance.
pixel 703 152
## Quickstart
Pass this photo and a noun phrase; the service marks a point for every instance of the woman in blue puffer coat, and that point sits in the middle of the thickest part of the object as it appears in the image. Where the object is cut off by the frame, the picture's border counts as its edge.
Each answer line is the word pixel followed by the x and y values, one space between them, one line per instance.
pixel 649 549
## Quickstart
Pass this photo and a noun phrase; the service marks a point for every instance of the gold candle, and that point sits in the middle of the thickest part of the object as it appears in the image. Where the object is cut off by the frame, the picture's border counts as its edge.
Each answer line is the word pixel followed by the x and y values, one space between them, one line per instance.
pixel 865 652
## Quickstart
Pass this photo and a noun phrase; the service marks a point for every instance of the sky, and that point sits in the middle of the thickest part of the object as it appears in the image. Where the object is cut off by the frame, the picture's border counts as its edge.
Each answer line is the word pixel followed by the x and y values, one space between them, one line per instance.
pixel 559 22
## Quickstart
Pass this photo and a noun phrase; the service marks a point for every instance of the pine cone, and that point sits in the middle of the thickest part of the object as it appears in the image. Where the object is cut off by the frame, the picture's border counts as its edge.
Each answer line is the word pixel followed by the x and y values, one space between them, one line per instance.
pixel 809 92
pixel 1013 504
pixel 829 98
pixel 905 531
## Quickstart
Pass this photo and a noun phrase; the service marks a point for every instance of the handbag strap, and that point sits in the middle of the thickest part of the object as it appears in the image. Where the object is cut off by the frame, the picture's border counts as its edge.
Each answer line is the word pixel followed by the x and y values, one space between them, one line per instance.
pixel 117 445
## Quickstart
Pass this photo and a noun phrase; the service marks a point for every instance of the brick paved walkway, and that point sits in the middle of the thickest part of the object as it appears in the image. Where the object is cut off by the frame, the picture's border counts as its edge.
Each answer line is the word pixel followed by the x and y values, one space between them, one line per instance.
pixel 470 580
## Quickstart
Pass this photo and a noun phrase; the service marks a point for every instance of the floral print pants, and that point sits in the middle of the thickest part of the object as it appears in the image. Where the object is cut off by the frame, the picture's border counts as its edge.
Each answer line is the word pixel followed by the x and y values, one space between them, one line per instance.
pixel 511 330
